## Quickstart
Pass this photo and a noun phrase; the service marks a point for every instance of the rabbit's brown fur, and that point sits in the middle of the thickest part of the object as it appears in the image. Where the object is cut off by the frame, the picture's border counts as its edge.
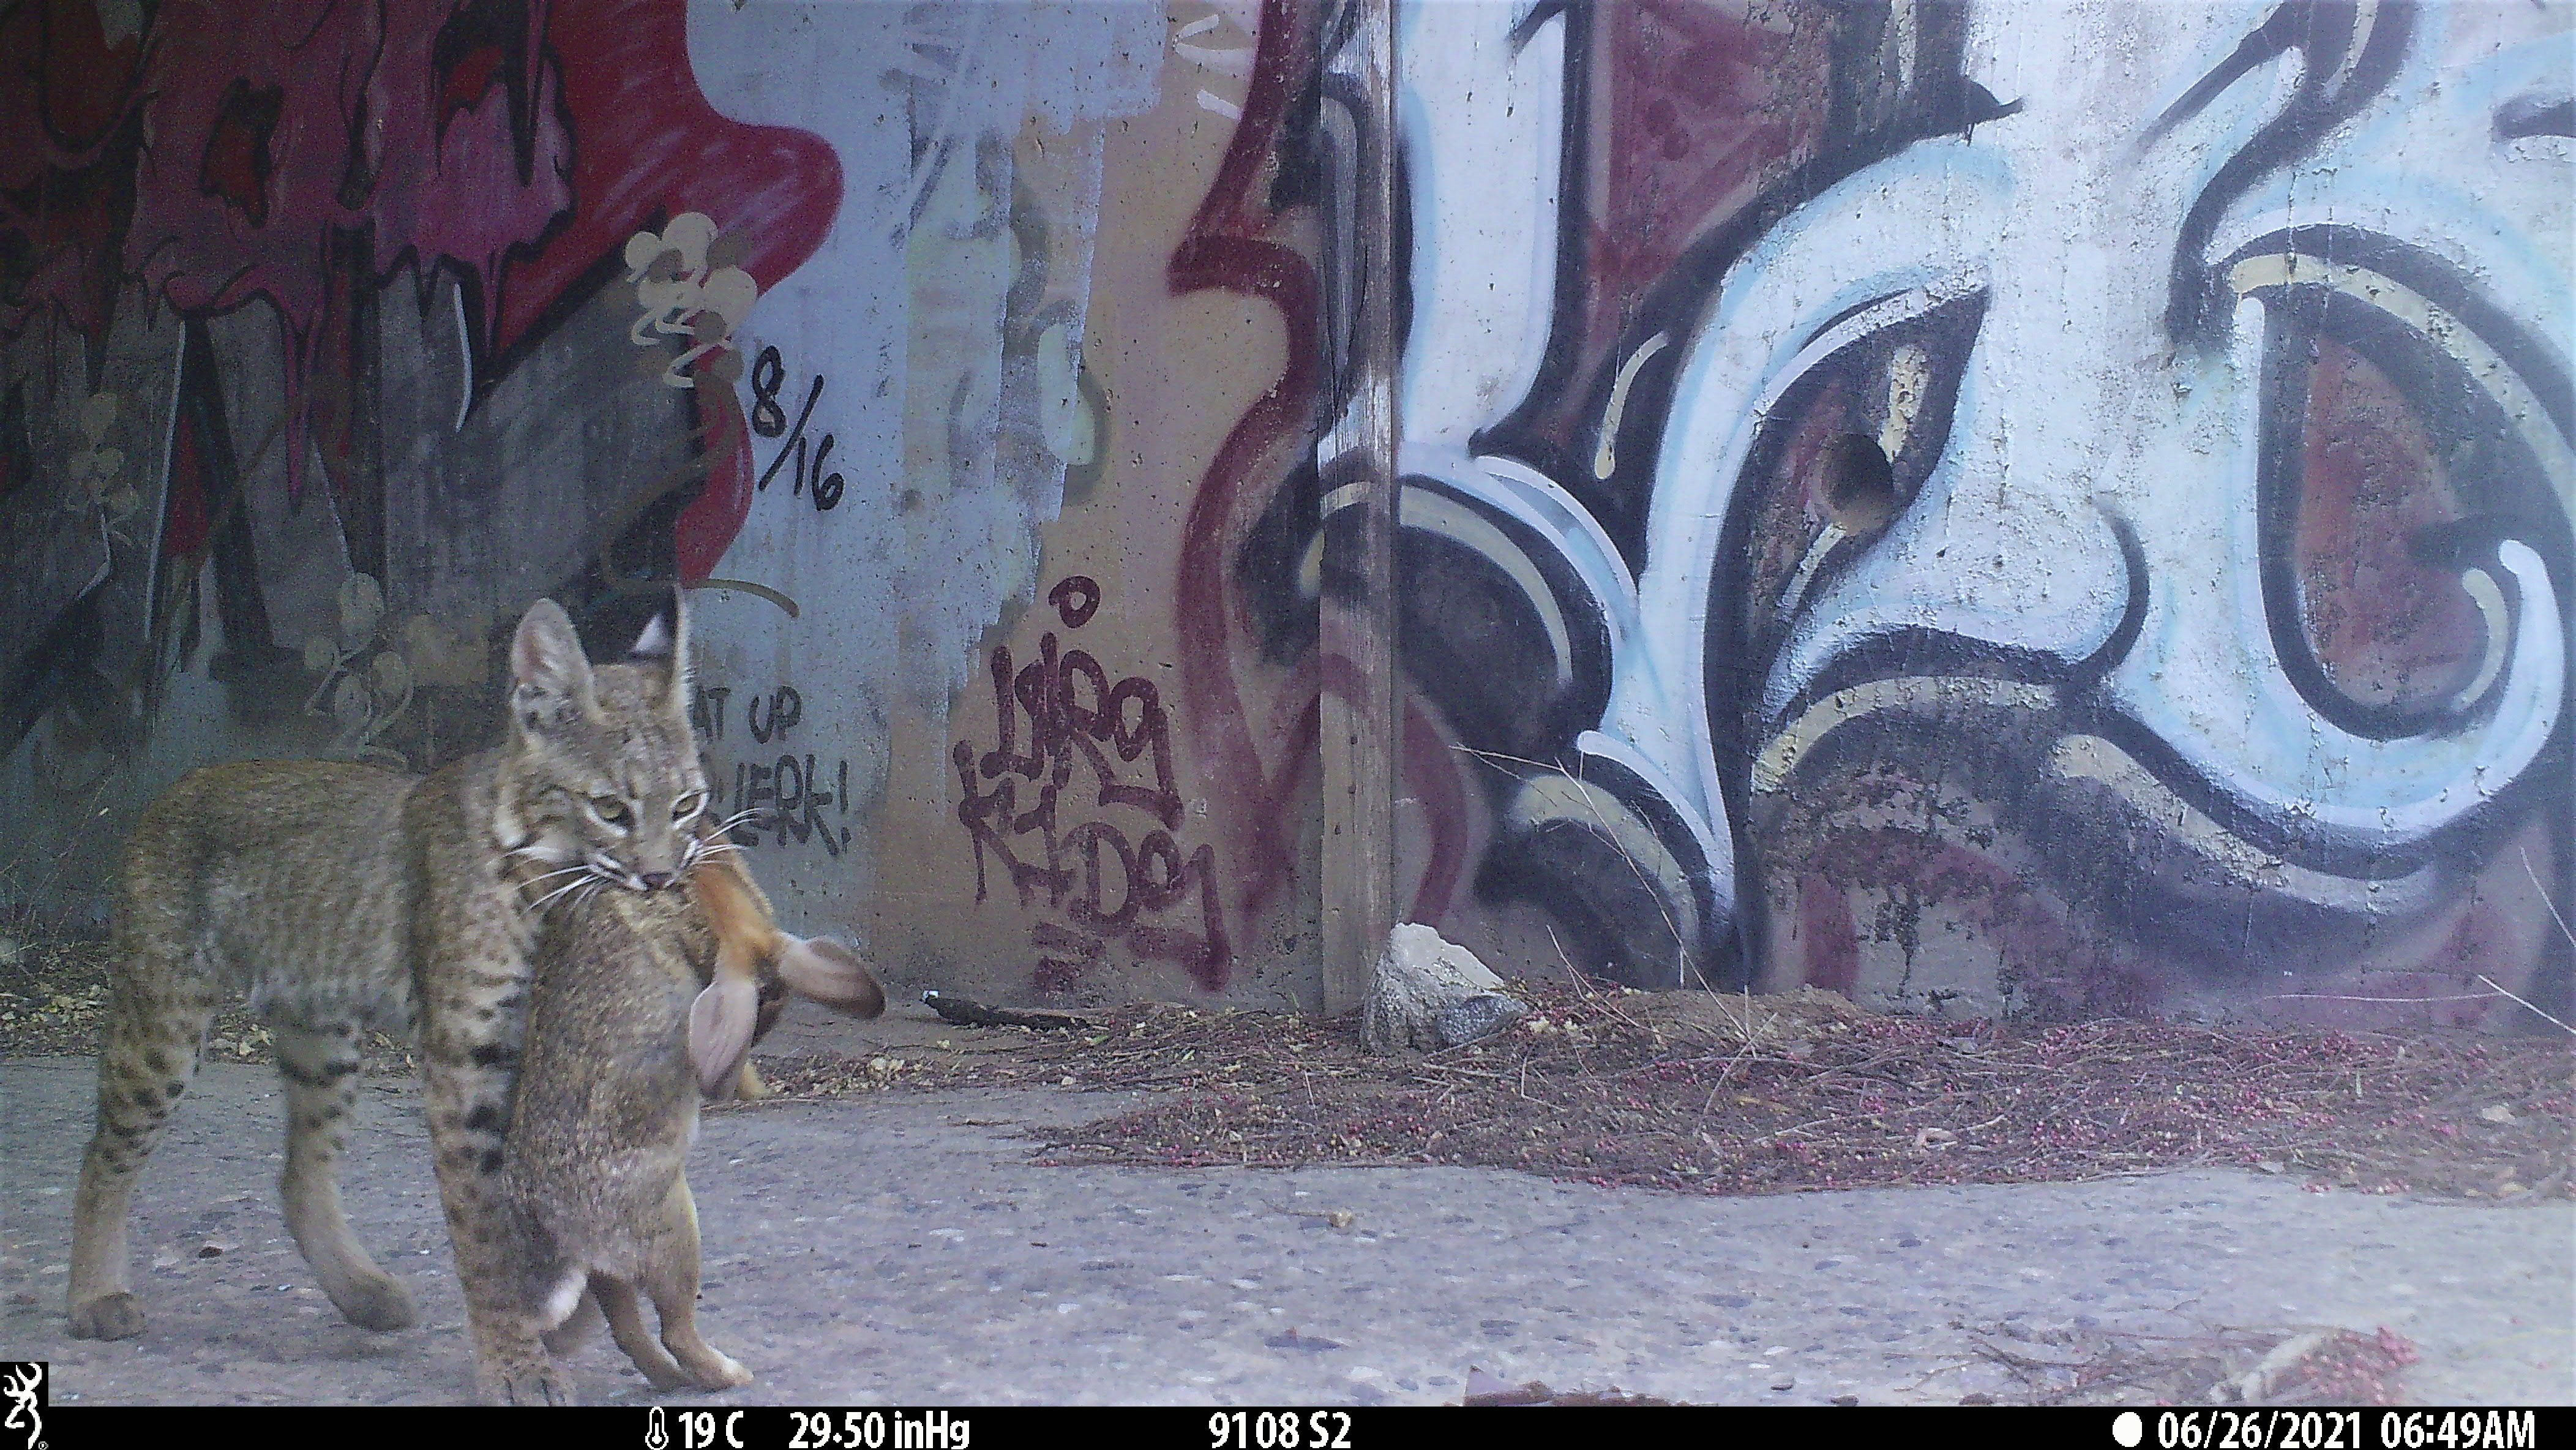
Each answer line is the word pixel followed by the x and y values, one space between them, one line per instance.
pixel 606 1108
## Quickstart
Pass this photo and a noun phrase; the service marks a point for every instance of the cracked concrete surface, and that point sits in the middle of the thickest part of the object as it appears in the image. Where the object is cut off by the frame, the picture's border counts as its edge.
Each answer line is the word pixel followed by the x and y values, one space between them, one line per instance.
pixel 900 1248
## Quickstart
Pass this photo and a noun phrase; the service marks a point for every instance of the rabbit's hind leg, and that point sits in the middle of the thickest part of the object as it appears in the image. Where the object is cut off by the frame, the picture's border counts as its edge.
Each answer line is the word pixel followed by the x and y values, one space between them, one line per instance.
pixel 671 1277
pixel 625 1312
pixel 567 1338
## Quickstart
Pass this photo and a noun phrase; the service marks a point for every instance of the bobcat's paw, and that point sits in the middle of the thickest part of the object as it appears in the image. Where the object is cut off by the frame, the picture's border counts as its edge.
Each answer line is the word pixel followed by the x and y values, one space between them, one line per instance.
pixel 109 1316
pixel 535 1384
pixel 382 1304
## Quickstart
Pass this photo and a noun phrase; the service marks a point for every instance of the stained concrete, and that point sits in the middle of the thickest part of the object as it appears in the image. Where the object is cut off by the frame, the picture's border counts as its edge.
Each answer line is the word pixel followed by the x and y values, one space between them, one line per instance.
pixel 902 1249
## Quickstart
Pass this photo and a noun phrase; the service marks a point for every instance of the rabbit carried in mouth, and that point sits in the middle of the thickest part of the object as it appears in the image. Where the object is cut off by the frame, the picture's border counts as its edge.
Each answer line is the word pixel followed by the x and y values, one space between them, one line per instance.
pixel 641 1004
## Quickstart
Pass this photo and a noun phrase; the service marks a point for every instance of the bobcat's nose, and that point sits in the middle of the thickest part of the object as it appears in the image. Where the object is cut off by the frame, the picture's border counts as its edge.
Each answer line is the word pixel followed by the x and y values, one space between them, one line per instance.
pixel 655 880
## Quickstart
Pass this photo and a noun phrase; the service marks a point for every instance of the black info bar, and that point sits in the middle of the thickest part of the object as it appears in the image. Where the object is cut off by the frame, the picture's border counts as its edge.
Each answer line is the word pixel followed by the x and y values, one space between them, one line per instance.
pixel 1374 1427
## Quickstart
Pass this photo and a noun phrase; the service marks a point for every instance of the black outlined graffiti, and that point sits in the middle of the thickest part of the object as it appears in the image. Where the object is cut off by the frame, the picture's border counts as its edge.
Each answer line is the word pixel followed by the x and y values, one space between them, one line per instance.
pixel 790 795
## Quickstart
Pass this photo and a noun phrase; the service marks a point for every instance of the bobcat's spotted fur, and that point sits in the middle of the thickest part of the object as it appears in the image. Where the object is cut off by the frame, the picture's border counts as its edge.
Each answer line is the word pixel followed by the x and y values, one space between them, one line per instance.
pixel 341 898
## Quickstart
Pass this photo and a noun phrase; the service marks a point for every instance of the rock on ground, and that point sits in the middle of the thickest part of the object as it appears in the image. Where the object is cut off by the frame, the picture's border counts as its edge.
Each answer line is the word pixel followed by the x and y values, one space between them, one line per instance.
pixel 1429 993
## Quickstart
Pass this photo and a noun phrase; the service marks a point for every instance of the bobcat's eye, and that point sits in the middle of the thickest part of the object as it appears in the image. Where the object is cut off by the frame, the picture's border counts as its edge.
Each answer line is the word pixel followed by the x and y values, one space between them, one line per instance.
pixel 687 806
pixel 611 811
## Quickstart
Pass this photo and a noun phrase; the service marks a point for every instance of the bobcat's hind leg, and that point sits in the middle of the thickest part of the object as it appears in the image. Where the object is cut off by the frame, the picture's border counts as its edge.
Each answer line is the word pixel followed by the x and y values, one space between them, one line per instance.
pixel 320 1065
pixel 161 997
pixel 670 1277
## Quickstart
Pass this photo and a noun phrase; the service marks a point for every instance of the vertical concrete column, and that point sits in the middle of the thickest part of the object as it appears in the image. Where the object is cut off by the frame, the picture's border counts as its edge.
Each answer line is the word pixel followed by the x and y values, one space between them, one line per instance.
pixel 1359 502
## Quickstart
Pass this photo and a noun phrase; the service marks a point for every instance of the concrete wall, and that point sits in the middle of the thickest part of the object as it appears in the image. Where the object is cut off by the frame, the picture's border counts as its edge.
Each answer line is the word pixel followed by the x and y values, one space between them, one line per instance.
pixel 2023 504
pixel 2012 506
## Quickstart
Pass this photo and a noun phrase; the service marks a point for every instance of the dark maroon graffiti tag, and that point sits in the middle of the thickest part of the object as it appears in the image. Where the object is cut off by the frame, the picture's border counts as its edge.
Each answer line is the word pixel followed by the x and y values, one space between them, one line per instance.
pixel 1068 778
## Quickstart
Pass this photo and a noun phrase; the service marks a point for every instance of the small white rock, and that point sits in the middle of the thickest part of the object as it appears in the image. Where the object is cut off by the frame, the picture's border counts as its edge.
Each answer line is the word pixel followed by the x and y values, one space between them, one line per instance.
pixel 1418 976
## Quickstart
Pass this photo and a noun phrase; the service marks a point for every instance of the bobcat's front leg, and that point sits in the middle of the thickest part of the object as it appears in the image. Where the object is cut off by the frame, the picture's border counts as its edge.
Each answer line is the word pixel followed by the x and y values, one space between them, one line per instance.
pixel 511 1365
pixel 471 976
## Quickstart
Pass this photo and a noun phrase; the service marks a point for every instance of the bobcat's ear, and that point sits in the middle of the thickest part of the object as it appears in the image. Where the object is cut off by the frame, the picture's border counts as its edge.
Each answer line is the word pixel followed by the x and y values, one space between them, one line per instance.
pixel 549 675
pixel 667 639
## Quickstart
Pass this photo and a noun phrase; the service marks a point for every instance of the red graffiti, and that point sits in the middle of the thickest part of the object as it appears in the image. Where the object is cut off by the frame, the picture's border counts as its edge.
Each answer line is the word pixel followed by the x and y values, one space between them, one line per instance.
pixel 651 147
pixel 1230 244
pixel 296 153
pixel 1068 846
pixel 67 142
pixel 2389 628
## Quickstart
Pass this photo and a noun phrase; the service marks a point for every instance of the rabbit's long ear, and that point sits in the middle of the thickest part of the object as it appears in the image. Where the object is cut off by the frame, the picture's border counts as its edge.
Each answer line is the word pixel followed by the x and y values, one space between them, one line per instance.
pixel 720 1030
pixel 831 974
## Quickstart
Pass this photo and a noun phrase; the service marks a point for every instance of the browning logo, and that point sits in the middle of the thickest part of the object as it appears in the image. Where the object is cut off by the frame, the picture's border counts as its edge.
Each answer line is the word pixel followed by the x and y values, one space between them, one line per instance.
pixel 24 1385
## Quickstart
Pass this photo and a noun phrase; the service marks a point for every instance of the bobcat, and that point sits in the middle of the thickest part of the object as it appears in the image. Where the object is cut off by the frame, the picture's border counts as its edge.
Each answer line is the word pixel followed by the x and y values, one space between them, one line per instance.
pixel 344 897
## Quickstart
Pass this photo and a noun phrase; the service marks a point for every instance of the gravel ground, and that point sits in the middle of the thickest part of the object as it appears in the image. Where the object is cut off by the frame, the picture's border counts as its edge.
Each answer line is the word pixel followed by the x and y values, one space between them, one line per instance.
pixel 1691 1092
pixel 906 1247
pixel 1678 1197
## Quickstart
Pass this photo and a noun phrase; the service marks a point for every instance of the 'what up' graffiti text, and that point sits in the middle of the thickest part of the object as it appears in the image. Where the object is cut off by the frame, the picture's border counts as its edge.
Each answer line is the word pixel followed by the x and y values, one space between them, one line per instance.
pixel 790 794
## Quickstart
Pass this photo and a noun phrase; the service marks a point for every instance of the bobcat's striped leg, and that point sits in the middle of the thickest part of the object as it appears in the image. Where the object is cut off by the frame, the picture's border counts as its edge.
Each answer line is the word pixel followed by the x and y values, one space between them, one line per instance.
pixel 161 999
pixel 320 1065
pixel 467 1078
pixel 468 1115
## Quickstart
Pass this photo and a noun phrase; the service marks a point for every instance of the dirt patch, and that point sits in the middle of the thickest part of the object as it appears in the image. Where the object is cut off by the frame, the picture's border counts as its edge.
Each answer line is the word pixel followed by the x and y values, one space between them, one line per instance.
pixel 1688 1092
pixel 1712 1094
pixel 2319 1365
pixel 2061 1364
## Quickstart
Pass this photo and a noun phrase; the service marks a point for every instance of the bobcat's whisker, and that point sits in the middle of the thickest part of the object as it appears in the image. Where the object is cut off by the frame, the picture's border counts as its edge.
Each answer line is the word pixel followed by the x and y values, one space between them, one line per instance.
pixel 534 908
pixel 570 886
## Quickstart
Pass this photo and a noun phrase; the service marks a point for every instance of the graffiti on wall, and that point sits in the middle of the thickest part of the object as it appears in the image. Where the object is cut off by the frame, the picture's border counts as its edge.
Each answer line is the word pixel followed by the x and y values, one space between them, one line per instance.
pixel 1893 503
pixel 288 302
pixel 1075 808
pixel 783 800
pixel 1890 499
pixel 331 336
